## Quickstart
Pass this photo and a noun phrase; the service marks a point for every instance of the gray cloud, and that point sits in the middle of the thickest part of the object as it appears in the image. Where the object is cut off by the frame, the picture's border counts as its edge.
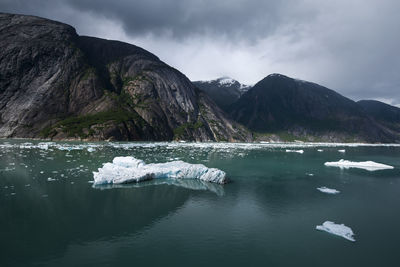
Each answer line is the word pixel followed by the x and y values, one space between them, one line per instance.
pixel 347 45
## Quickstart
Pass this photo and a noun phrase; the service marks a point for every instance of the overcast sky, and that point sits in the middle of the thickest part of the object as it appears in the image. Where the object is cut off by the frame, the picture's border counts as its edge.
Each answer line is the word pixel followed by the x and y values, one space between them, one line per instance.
pixel 351 46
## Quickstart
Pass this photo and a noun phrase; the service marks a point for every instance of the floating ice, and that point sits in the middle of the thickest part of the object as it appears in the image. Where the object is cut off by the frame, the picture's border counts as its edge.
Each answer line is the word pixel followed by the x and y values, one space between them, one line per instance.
pixel 51 179
pixel 342 150
pixel 295 151
pixel 173 145
pixel 129 169
pixel 337 229
pixel 91 149
pixel 327 190
pixel 320 150
pixel 367 165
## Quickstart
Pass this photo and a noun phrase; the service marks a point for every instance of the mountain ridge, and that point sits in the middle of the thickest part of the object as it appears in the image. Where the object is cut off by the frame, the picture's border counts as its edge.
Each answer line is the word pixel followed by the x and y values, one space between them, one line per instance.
pixel 224 90
pixel 304 109
pixel 59 85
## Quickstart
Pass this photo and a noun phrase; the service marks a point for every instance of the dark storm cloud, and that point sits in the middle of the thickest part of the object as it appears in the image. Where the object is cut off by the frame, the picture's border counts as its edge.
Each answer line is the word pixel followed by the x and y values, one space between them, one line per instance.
pixel 348 45
pixel 177 18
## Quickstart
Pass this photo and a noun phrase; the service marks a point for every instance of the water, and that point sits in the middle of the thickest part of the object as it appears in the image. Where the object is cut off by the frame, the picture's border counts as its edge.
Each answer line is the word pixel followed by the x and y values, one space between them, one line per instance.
pixel 265 216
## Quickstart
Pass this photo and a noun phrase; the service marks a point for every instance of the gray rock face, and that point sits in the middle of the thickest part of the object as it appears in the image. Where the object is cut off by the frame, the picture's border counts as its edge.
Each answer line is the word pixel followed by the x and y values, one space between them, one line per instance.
pixel 56 84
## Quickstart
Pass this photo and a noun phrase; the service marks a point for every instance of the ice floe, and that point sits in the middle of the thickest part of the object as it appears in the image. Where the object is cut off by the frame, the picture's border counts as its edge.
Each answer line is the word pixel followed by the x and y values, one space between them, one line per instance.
pixel 337 229
pixel 367 165
pixel 295 151
pixel 129 169
pixel 69 146
pixel 327 190
pixel 342 150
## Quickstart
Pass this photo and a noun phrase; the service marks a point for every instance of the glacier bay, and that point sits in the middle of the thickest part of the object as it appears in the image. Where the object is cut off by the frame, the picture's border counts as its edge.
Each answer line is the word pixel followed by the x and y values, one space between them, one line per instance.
pixel 53 215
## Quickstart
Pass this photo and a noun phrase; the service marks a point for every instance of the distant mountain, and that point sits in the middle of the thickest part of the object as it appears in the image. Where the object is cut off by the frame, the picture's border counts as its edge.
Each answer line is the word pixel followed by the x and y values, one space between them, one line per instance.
pixel 383 113
pixel 57 84
pixel 224 91
pixel 304 109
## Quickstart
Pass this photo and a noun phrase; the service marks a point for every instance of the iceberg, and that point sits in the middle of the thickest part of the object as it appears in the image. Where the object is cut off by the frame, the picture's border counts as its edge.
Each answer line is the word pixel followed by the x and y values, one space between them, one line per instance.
pixel 342 150
pixel 295 151
pixel 367 165
pixel 327 190
pixel 337 229
pixel 129 169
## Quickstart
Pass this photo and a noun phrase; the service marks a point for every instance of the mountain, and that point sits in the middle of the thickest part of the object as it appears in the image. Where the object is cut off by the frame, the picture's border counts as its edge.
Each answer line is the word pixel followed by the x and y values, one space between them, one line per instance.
pixel 57 84
pixel 386 114
pixel 224 91
pixel 279 104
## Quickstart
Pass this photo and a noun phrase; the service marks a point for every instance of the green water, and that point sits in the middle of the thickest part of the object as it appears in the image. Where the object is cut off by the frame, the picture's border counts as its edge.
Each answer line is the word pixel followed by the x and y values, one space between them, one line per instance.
pixel 265 217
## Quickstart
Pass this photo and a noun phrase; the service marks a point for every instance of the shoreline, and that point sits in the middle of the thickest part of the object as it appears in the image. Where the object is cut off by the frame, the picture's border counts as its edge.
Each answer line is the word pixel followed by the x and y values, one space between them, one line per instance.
pixel 211 143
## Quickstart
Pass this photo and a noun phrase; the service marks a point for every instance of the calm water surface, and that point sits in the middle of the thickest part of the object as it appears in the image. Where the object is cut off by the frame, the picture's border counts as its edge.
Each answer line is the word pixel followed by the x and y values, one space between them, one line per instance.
pixel 51 215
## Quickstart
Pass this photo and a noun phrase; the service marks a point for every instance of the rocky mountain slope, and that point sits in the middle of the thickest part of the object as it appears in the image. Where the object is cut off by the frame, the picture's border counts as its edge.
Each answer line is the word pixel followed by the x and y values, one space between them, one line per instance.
pixel 224 91
pixel 279 104
pixel 383 113
pixel 56 84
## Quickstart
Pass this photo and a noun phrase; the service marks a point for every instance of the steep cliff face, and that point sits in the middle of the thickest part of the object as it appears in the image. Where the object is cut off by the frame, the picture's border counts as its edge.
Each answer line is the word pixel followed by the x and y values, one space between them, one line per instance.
pixel 56 84
pixel 282 104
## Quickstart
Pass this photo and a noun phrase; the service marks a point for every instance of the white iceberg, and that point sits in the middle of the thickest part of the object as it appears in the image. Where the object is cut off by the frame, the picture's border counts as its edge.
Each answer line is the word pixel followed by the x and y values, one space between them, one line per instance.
pixel 342 150
pixel 320 150
pixel 327 190
pixel 367 165
pixel 337 229
pixel 129 169
pixel 295 151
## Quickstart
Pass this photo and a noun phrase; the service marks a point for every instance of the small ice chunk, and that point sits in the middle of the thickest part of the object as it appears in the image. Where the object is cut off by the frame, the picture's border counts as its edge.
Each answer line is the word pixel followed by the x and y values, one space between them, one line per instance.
pixel 342 150
pixel 130 169
pixel 309 174
pixel 320 150
pixel 337 229
pixel 50 179
pixel 367 165
pixel 327 190
pixel 295 151
pixel 91 149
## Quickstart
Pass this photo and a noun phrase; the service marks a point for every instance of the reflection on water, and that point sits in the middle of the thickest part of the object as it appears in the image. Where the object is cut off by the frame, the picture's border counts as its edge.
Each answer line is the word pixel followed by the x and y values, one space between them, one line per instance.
pixel 193 184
